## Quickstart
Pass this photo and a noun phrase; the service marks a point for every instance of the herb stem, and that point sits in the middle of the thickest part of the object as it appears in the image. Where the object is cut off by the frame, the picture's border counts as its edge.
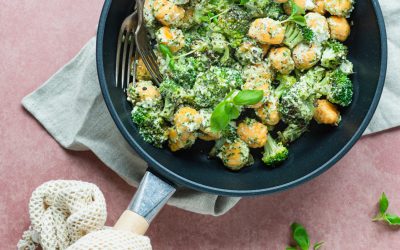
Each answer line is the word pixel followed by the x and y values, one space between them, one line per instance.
pixel 223 12
pixel 186 54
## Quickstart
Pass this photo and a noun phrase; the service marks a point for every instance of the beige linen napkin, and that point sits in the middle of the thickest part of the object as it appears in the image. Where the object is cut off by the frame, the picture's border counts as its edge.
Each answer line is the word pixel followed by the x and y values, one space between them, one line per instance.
pixel 70 106
pixel 387 114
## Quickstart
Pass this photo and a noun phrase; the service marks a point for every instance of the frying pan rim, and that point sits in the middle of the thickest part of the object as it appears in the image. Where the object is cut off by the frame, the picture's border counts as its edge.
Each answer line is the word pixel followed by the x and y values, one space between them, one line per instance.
pixel 179 180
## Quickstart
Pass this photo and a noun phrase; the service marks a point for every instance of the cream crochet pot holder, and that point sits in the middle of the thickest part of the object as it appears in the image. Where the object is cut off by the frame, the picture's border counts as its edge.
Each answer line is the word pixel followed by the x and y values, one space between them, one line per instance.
pixel 62 212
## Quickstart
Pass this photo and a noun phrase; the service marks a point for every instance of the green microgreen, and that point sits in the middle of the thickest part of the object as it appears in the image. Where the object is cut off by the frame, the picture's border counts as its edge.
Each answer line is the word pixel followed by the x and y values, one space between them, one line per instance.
pixel 229 109
pixel 223 12
pixel 383 215
pixel 296 15
pixel 300 236
pixel 166 51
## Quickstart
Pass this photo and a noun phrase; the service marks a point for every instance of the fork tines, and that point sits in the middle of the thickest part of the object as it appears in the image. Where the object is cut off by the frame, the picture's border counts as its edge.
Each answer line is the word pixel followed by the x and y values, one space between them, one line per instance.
pixel 125 48
pixel 144 48
pixel 147 54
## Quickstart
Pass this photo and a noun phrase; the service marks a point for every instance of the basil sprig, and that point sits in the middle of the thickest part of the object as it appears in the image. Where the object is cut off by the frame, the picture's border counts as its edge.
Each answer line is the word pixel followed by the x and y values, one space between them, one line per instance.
pixel 296 15
pixel 383 215
pixel 165 50
pixel 300 236
pixel 229 109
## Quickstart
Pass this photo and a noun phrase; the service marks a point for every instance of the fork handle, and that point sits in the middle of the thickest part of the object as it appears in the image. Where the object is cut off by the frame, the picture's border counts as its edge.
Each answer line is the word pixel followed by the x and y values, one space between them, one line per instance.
pixel 152 194
pixel 140 7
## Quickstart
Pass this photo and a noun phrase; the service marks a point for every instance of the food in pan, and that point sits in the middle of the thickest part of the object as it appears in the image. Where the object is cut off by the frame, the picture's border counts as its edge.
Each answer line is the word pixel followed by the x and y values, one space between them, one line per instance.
pixel 243 74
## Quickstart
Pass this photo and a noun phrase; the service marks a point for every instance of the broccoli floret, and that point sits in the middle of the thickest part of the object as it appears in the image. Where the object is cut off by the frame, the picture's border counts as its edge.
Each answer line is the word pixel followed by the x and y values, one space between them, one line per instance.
pixel 297 104
pixel 347 67
pixel 218 42
pixel 230 133
pixel 293 35
pixel 334 54
pixel 337 87
pixel 285 83
pixel 213 85
pixel 220 45
pixel 256 8
pixel 168 109
pixel 234 24
pixel 177 94
pixel 151 125
pixel 274 10
pixel 267 115
pixel 308 34
pixel 291 133
pixel 249 53
pixel 205 10
pixel 296 34
pixel 186 70
pixel 294 108
pixel 274 152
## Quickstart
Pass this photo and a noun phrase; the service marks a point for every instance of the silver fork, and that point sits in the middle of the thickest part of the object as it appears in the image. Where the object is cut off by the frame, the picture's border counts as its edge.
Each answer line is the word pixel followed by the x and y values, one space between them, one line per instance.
pixel 144 48
pixel 126 42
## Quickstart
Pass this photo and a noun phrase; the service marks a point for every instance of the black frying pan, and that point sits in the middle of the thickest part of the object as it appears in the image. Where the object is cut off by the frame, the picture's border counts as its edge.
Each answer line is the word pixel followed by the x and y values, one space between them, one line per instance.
pixel 310 156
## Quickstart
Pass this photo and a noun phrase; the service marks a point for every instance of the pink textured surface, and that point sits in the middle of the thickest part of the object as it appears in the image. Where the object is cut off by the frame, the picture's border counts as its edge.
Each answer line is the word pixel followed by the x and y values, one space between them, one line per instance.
pixel 38 37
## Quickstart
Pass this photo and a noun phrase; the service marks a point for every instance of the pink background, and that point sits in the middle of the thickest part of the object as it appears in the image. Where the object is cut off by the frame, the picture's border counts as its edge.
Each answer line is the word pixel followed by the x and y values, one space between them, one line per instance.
pixel 38 37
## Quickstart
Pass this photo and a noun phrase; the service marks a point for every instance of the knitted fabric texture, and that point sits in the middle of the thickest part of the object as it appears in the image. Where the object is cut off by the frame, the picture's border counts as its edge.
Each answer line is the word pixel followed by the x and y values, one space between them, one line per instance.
pixel 61 212
pixel 112 239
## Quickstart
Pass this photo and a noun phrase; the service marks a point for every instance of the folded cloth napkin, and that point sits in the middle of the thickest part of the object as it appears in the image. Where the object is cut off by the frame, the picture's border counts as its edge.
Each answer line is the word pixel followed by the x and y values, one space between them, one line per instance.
pixel 70 106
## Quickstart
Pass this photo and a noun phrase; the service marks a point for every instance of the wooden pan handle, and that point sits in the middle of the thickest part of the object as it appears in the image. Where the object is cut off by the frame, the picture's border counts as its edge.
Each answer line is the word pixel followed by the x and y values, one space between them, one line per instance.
pixel 152 194
pixel 132 222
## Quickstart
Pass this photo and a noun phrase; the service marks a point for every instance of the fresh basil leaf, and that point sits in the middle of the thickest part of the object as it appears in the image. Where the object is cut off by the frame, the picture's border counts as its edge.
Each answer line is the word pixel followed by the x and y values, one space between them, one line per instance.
pixel 300 20
pixel 383 204
pixel 392 219
pixel 248 97
pixel 243 2
pixel 164 49
pixel 291 248
pixel 171 62
pixel 296 10
pixel 300 236
pixel 232 111
pixel 219 118
pixel 228 97
pixel 318 245
pixel 294 6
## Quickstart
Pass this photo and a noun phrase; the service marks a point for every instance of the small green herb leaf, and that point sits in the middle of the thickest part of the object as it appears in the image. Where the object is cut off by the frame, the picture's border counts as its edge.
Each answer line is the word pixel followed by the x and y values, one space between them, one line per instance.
pixel 300 20
pixel 248 97
pixel 171 62
pixel 229 108
pixel 232 111
pixel 300 236
pixel 164 49
pixel 243 2
pixel 296 15
pixel 383 204
pixel 296 10
pixel 219 118
pixel 318 245
pixel 392 219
